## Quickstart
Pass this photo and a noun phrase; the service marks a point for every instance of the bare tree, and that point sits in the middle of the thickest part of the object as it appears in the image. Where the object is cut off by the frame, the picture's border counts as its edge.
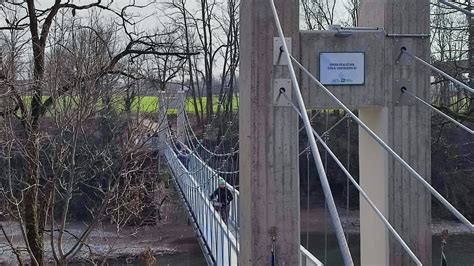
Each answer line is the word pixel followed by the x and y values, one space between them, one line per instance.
pixel 183 19
pixel 352 7
pixel 165 70
pixel 214 28
pixel 44 126
pixel 451 51
pixel 318 14
pixel 230 54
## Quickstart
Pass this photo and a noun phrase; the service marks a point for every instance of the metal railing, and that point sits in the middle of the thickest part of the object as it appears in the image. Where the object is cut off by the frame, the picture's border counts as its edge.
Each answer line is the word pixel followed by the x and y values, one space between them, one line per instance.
pixel 197 181
pixel 307 259
pixel 208 178
pixel 217 236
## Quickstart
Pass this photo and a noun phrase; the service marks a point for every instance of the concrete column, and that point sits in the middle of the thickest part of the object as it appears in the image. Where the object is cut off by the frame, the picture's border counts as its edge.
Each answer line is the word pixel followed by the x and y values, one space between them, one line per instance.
pixel 373 169
pixel 269 176
pixel 409 134
pixel 181 120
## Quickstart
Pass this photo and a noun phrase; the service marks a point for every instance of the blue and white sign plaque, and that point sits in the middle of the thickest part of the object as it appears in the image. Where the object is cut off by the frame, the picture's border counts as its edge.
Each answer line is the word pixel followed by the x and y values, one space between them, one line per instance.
pixel 342 68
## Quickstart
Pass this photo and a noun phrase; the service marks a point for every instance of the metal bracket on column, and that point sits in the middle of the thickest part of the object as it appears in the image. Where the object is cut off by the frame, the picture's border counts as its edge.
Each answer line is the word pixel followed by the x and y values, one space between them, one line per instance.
pixel 400 98
pixel 278 54
pixel 403 72
pixel 281 86
pixel 403 59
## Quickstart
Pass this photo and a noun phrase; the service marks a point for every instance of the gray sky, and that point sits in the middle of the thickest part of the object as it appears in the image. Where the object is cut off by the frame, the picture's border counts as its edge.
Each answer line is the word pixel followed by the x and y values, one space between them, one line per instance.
pixel 154 13
pixel 150 17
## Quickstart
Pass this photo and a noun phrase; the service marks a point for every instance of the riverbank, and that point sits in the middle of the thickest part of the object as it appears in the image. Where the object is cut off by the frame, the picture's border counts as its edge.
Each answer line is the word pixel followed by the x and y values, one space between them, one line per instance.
pixel 177 239
pixel 315 221
pixel 108 242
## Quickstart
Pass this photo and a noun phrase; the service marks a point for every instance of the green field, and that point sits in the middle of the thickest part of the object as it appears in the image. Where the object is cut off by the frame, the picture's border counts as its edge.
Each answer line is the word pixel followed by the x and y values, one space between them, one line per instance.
pixel 145 104
pixel 149 104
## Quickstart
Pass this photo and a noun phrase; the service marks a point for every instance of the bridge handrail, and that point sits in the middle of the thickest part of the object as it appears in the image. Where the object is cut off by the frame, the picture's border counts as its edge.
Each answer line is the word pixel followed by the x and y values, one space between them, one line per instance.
pixel 308 259
pixel 209 182
pixel 218 237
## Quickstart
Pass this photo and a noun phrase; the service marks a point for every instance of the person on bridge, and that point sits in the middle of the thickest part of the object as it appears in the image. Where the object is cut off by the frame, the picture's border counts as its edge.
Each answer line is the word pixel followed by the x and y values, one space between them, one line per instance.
pixel 182 154
pixel 221 198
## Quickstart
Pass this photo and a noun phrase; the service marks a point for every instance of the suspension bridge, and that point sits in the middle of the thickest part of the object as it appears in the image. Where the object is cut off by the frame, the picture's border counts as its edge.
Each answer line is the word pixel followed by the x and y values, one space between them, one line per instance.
pixel 278 85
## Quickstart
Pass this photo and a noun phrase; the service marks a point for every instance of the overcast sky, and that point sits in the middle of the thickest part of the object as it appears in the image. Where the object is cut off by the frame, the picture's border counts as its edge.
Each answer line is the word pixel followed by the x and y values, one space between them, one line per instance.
pixel 154 12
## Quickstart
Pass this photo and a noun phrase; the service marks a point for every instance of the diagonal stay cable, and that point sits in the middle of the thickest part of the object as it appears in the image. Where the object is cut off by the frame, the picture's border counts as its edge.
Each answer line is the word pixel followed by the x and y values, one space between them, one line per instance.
pixel 327 131
pixel 405 90
pixel 439 71
pixel 311 118
pixel 341 238
pixel 361 191
pixel 384 145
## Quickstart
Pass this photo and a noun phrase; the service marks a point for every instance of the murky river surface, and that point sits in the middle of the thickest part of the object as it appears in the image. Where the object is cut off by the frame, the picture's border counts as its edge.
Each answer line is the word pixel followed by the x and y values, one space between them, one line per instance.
pixel 459 249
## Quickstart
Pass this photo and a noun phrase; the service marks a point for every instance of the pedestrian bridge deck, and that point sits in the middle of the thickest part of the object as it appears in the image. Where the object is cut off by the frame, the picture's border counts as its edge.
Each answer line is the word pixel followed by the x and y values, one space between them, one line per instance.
pixel 219 241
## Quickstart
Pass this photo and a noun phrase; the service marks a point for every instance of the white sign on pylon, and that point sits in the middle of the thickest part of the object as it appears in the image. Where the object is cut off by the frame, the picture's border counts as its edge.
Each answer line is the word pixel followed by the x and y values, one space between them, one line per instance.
pixel 342 68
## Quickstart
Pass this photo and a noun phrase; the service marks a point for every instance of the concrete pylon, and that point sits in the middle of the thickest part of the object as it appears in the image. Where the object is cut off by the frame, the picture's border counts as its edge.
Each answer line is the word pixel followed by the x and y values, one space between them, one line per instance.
pixel 405 126
pixel 269 175
pixel 374 179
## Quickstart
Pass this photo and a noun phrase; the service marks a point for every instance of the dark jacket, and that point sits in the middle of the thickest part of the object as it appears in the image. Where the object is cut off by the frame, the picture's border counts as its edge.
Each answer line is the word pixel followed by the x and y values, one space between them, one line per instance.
pixel 224 195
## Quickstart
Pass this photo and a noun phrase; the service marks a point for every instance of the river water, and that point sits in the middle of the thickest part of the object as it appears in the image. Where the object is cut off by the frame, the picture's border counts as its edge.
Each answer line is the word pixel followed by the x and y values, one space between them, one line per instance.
pixel 459 249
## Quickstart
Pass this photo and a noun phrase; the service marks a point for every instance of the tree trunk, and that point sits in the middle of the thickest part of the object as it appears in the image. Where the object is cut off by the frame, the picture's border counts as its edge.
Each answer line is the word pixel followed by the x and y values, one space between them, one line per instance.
pixel 30 126
pixel 33 233
pixel 190 67
pixel 209 106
